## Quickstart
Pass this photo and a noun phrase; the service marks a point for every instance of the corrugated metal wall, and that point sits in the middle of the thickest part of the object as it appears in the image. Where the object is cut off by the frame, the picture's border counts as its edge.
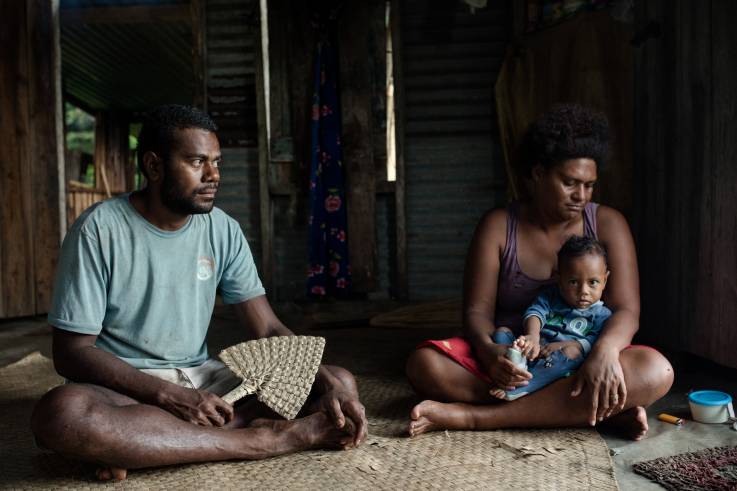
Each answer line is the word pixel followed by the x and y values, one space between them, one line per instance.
pixel 453 160
pixel 232 38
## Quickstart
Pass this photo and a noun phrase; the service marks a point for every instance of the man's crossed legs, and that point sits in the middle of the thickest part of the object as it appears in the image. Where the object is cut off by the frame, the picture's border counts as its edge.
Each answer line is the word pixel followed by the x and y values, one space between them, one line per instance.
pixel 98 425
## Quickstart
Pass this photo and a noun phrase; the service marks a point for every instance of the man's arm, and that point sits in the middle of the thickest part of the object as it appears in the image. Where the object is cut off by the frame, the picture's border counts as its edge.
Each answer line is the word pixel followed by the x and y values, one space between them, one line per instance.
pixel 336 388
pixel 76 358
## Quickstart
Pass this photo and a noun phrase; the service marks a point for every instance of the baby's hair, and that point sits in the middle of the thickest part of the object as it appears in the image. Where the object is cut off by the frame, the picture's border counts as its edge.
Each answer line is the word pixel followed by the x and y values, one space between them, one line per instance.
pixel 577 246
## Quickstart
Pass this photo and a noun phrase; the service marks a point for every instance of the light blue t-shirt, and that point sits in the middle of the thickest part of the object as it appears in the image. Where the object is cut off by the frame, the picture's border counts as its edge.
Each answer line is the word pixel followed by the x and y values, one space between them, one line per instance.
pixel 147 293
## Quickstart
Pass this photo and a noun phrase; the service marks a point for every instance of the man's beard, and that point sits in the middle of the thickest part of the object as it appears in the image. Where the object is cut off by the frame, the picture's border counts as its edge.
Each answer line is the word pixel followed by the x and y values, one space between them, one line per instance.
pixel 177 201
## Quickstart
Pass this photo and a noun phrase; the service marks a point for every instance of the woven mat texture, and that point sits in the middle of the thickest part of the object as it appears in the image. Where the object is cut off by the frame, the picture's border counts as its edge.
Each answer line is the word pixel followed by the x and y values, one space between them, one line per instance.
pixel 515 459
pixel 709 469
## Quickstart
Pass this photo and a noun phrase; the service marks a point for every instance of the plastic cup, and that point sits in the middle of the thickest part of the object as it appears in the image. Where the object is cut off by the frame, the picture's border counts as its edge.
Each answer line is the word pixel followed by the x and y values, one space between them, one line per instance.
pixel 710 406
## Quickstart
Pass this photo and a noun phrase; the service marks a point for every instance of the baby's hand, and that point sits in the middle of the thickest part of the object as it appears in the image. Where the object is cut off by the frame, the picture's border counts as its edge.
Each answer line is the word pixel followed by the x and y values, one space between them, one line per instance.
pixel 571 349
pixel 528 345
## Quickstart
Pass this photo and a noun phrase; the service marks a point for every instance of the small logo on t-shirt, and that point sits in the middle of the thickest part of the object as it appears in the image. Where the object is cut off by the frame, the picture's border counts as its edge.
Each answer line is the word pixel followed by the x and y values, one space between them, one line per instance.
pixel 579 325
pixel 205 268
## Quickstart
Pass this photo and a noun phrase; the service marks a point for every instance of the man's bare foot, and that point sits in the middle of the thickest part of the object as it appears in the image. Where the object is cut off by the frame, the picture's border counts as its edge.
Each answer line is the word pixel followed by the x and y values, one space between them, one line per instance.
pixel 111 473
pixel 434 416
pixel 632 423
pixel 313 431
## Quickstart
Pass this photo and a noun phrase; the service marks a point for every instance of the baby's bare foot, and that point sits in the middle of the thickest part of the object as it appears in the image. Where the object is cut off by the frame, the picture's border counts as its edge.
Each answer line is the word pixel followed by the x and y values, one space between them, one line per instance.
pixel 498 393
pixel 430 416
pixel 519 343
pixel 111 473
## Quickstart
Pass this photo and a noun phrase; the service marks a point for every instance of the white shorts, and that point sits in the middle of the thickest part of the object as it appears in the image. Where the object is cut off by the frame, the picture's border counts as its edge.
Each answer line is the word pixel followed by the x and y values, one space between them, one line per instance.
pixel 212 376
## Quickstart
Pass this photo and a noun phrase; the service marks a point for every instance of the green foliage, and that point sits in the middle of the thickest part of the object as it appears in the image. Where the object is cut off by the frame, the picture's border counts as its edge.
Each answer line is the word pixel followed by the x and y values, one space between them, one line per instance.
pixel 80 129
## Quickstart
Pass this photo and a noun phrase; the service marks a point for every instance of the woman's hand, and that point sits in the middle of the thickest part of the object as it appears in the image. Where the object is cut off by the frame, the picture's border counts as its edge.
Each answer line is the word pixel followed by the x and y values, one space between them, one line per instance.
pixel 602 377
pixel 504 374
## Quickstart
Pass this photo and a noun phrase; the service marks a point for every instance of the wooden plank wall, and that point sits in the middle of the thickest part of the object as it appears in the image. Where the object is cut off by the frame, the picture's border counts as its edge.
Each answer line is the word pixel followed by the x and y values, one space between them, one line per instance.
pixel 30 219
pixel 686 175
pixel 291 57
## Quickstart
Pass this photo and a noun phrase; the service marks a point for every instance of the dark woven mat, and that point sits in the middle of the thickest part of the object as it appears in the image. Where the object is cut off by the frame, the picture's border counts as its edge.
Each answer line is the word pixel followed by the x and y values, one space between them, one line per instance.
pixel 713 469
pixel 568 459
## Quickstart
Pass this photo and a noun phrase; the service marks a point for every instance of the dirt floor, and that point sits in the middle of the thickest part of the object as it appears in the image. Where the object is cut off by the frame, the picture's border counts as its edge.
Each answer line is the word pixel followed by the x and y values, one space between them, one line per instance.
pixel 345 326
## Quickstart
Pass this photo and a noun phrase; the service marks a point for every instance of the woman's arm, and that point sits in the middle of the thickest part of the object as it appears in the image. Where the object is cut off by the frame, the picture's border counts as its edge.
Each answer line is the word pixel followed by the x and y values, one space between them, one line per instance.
pixel 602 372
pixel 479 299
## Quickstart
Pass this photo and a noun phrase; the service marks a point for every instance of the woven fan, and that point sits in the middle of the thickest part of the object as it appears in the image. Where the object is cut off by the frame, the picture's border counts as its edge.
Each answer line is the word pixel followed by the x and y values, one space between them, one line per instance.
pixel 279 369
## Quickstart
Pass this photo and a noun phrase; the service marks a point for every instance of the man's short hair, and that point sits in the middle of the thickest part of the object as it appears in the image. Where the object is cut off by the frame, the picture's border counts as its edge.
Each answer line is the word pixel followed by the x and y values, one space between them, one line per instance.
pixel 157 132
pixel 577 246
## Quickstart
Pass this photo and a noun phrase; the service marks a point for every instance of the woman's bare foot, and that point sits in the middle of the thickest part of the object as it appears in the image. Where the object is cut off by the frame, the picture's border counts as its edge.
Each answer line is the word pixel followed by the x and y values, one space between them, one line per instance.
pixel 111 473
pixel 433 416
pixel 313 431
pixel 632 423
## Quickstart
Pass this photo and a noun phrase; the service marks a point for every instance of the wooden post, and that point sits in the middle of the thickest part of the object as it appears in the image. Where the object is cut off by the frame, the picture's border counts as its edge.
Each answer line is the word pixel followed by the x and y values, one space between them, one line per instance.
pixel 399 112
pixel 358 155
pixel 29 181
pixel 267 264
pixel 197 10
pixel 45 161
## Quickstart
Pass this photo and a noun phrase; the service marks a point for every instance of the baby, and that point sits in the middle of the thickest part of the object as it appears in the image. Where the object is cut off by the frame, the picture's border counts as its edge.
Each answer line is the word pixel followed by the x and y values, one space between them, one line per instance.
pixel 564 321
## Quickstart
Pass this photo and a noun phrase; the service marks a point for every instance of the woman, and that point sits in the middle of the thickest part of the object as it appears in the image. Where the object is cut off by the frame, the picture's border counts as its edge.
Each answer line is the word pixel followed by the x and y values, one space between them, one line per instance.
pixel 512 256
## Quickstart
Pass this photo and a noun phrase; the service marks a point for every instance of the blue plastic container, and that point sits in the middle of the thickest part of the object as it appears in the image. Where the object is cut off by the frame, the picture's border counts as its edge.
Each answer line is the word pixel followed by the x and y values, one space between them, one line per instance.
pixel 710 406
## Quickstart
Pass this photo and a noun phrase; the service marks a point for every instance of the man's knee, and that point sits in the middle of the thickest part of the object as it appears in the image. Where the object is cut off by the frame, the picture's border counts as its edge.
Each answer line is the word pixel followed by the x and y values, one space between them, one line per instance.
pixel 57 414
pixel 345 377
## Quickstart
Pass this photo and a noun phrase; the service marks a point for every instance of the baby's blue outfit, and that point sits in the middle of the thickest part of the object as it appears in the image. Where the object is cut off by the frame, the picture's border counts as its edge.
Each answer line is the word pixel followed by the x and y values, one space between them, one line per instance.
pixel 560 322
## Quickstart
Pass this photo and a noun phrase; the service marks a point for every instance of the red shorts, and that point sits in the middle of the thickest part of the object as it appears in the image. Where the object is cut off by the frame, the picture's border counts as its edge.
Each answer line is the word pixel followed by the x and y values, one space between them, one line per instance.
pixel 460 351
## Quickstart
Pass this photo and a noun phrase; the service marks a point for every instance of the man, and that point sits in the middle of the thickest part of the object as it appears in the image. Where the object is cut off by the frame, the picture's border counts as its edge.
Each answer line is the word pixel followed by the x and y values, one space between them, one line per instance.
pixel 132 304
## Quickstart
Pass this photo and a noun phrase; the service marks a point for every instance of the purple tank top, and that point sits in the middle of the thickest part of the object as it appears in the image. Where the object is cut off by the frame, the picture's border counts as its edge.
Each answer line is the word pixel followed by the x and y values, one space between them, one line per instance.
pixel 516 290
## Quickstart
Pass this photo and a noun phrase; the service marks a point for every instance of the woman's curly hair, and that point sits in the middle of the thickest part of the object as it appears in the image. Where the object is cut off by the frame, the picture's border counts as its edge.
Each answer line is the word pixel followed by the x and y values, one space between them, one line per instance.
pixel 566 131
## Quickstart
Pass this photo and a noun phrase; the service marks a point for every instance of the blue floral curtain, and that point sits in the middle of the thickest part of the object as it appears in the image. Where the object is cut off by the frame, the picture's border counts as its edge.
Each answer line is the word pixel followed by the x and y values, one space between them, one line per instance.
pixel 329 271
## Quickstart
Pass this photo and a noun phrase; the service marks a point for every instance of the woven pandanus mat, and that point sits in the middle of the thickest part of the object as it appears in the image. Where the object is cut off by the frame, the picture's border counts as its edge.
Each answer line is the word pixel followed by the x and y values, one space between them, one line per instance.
pixel 514 459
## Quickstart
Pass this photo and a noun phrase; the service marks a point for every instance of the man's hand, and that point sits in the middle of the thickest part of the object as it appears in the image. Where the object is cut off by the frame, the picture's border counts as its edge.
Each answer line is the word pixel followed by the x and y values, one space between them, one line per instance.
pixel 347 413
pixel 196 406
pixel 503 373
pixel 601 374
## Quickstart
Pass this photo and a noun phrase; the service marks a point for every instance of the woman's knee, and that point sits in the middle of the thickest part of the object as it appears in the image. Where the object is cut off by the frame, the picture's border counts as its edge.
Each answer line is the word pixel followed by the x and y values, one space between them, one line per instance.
pixel 421 366
pixel 653 371
pixel 428 373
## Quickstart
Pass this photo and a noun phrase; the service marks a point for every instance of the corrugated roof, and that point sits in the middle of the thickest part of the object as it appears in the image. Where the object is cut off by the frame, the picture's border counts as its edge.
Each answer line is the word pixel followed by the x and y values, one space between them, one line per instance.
pixel 121 55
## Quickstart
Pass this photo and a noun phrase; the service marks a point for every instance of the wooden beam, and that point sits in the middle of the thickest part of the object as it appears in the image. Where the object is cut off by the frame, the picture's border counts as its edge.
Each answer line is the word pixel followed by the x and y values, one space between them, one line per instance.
pixel 266 211
pixel 519 17
pixel 198 19
pixel 46 163
pixel 356 86
pixel 16 263
pixel 399 186
pixel 129 14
